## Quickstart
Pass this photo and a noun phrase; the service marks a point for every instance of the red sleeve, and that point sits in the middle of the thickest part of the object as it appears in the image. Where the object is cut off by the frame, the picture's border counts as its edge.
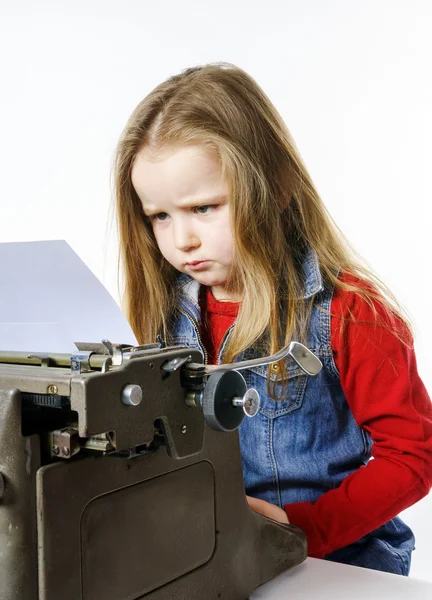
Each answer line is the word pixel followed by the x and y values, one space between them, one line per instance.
pixel 379 378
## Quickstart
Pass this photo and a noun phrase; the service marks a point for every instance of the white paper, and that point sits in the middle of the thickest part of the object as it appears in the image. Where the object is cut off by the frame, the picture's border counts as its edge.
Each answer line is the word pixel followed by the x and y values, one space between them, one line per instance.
pixel 50 299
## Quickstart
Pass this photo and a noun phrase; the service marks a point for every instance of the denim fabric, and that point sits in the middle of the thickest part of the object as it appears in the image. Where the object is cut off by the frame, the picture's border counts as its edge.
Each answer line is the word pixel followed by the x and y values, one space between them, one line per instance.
pixel 297 449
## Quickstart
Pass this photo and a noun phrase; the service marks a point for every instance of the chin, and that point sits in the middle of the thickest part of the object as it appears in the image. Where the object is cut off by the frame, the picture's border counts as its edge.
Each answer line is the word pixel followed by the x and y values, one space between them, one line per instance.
pixel 211 281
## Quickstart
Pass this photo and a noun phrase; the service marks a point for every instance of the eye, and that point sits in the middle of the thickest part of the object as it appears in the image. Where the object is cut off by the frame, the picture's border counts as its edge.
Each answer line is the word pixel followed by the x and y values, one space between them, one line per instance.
pixel 159 217
pixel 206 209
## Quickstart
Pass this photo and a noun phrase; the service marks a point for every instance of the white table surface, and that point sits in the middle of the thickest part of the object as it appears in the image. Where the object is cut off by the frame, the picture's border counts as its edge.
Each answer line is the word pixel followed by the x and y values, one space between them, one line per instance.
pixel 325 580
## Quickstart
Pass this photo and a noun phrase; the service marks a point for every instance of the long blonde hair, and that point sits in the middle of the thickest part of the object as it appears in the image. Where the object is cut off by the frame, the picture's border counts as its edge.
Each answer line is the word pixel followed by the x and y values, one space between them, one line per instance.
pixel 276 211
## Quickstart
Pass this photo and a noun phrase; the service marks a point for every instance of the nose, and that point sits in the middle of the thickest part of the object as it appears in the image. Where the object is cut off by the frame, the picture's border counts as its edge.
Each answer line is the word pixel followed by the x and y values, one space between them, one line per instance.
pixel 184 236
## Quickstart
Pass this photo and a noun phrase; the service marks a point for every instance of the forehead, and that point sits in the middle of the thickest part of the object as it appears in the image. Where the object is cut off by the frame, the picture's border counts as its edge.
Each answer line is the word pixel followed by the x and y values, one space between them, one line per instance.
pixel 176 173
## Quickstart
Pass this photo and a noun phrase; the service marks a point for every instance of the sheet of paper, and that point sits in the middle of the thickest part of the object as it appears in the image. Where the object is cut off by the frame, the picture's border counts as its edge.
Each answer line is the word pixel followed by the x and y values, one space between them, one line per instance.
pixel 50 299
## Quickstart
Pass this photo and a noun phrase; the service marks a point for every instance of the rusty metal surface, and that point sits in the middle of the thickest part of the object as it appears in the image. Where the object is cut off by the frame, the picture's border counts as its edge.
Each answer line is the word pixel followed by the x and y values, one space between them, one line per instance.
pixel 64 443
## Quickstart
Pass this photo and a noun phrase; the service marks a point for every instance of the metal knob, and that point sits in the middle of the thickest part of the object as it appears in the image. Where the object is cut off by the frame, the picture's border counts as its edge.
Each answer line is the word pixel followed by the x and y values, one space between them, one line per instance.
pixel 132 395
pixel 219 410
pixel 250 402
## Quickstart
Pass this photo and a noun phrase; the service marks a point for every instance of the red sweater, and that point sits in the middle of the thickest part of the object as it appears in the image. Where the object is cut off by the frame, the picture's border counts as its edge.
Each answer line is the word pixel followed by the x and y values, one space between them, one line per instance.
pixel 378 375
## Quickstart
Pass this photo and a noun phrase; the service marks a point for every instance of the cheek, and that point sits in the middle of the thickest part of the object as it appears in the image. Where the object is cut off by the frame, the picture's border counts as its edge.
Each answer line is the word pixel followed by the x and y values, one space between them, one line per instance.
pixel 222 238
pixel 162 241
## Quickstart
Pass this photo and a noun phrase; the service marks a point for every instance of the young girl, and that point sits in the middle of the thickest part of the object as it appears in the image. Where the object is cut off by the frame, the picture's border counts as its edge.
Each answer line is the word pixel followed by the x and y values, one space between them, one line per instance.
pixel 226 246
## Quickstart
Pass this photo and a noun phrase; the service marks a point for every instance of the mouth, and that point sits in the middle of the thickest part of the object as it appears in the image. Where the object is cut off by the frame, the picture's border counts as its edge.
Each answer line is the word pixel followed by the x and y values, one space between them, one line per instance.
pixel 198 265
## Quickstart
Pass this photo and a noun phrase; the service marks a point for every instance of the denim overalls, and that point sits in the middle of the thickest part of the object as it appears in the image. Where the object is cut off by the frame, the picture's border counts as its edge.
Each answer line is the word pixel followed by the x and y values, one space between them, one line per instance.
pixel 299 448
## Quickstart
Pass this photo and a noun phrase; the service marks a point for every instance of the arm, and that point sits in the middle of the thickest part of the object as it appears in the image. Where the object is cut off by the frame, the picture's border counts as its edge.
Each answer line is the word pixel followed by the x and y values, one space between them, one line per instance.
pixel 378 374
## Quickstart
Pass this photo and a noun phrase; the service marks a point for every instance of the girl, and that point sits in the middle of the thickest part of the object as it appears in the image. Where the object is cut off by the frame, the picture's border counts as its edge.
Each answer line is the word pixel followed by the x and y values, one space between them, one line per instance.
pixel 227 247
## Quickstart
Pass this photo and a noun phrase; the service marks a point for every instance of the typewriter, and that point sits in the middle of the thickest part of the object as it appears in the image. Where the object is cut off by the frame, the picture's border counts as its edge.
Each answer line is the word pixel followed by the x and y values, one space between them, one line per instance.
pixel 121 477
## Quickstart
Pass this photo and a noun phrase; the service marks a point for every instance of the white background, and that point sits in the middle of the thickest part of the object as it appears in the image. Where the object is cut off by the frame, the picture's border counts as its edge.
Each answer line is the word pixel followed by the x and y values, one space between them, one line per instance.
pixel 352 80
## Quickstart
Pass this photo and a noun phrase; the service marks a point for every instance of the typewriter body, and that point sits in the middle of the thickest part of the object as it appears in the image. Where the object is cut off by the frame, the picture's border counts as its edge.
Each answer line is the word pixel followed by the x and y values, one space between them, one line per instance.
pixel 121 479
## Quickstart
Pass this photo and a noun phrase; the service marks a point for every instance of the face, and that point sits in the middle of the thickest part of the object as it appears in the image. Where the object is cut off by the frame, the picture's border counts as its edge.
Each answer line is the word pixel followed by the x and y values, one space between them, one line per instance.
pixel 186 200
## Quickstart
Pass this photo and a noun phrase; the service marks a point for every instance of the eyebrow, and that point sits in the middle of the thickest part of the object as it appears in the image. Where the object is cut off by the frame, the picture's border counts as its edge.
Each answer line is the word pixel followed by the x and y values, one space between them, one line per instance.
pixel 189 203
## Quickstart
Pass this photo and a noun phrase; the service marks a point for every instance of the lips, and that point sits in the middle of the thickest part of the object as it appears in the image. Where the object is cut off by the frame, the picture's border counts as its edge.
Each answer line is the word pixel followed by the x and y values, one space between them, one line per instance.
pixel 197 265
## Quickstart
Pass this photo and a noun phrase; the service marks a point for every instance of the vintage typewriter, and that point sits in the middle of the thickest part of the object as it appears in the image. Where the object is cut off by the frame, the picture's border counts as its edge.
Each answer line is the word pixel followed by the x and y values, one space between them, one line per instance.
pixel 121 478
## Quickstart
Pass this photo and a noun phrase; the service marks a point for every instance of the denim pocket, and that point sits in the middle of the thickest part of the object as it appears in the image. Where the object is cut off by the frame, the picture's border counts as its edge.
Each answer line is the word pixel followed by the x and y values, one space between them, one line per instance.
pixel 294 386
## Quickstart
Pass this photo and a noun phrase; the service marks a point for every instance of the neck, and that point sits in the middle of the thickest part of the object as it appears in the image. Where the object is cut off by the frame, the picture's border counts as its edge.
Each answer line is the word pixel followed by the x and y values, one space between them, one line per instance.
pixel 222 294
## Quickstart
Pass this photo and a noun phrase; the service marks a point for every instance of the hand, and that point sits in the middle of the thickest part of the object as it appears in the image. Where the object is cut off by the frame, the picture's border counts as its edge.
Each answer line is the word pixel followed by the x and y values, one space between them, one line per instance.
pixel 267 510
